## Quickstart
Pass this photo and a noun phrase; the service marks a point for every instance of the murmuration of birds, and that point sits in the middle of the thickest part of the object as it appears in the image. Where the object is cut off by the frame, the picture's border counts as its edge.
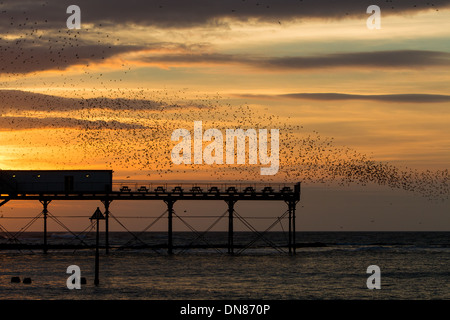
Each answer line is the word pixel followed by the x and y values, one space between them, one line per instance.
pixel 134 134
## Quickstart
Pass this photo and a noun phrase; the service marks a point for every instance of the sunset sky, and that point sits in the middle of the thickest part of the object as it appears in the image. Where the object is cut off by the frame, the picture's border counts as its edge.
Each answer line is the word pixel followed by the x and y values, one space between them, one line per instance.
pixel 108 96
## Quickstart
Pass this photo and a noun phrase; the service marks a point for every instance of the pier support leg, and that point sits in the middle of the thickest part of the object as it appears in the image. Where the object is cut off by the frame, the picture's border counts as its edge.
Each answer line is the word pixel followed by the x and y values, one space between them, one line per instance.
pixel 294 204
pixel 230 225
pixel 106 203
pixel 290 227
pixel 45 212
pixel 291 237
pixel 97 236
pixel 169 226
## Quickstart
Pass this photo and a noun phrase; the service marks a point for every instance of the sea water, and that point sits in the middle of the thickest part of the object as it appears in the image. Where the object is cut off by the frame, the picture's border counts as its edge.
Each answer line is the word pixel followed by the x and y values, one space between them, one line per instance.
pixel 327 265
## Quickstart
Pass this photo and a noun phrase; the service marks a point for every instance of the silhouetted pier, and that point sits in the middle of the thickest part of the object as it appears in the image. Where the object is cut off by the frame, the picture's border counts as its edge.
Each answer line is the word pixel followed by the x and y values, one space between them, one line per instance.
pixel 170 193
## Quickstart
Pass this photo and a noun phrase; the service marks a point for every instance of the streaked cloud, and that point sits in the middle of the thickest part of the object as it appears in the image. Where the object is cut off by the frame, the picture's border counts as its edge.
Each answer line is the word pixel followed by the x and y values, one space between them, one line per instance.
pixel 18 101
pixel 23 57
pixel 185 14
pixel 27 123
pixel 410 59
pixel 37 39
pixel 377 59
pixel 406 98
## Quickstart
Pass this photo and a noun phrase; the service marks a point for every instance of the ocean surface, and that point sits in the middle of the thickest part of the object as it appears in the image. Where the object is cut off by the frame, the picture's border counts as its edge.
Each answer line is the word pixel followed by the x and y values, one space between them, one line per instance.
pixel 327 265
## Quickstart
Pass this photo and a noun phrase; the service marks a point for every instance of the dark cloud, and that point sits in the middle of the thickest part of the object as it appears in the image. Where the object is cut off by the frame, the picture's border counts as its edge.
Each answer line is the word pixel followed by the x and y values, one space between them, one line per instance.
pixel 378 59
pixel 22 59
pixel 194 58
pixel 34 36
pixel 27 123
pixel 409 98
pixel 183 13
pixel 19 101
pixel 406 98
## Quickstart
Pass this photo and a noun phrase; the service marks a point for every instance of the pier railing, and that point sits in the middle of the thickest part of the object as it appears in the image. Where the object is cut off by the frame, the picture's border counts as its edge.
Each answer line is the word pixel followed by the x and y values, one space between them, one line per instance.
pixel 186 187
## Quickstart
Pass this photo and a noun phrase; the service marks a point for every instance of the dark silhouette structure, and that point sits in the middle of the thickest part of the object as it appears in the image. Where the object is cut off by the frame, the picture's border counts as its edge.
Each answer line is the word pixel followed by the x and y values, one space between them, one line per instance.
pixel 103 189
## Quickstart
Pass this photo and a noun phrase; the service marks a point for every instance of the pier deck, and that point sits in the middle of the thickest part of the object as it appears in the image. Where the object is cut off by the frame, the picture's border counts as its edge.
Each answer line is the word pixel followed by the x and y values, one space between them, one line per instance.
pixel 171 193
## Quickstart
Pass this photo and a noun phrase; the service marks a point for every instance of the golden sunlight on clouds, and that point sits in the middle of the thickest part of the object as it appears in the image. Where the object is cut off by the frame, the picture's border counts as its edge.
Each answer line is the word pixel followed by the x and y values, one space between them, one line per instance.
pixel 132 86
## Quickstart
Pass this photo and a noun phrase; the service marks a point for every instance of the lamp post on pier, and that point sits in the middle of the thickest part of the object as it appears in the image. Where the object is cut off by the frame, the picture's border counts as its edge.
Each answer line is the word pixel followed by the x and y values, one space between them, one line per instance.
pixel 97 216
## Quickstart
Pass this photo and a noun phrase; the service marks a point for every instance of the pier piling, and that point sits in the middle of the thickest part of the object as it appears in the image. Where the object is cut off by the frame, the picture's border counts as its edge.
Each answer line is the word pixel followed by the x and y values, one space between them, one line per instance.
pixel 45 212
pixel 106 203
pixel 169 225
pixel 230 204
